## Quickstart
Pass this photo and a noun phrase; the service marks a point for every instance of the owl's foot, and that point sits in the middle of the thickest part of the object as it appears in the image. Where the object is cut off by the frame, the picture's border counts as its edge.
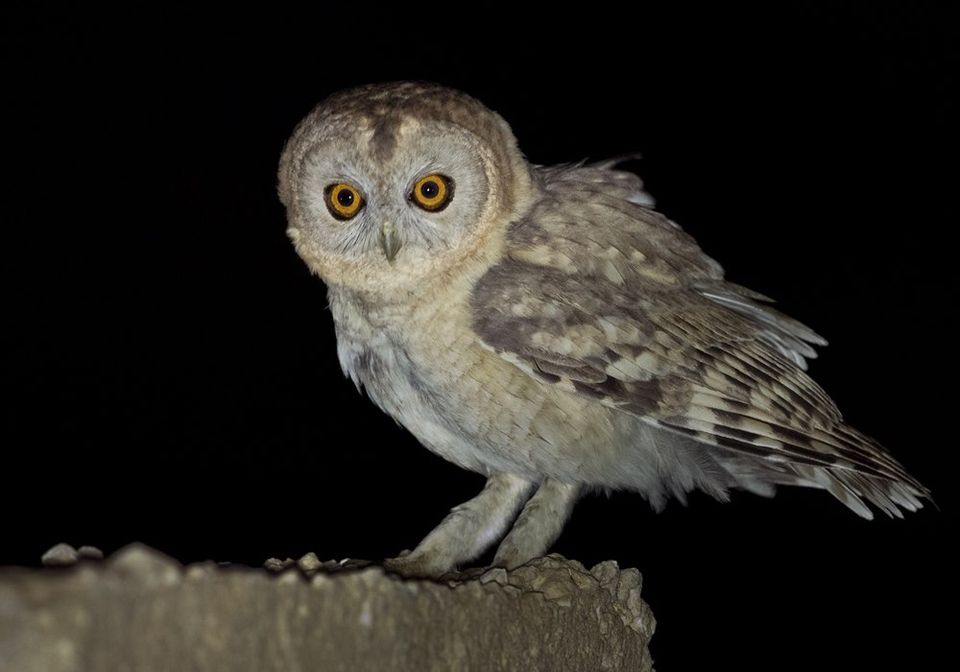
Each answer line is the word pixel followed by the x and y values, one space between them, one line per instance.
pixel 421 566
pixel 467 531
pixel 538 525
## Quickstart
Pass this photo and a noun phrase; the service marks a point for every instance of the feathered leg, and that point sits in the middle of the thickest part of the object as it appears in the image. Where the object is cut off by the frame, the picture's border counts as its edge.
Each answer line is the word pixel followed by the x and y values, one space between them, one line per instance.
pixel 468 530
pixel 538 525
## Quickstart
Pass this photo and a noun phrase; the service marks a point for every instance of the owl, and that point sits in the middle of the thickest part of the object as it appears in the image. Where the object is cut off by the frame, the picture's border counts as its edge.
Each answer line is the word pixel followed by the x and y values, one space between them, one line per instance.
pixel 548 328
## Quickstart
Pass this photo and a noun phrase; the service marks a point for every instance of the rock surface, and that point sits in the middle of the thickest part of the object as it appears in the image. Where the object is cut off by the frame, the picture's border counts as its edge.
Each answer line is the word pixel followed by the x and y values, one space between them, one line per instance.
pixel 141 610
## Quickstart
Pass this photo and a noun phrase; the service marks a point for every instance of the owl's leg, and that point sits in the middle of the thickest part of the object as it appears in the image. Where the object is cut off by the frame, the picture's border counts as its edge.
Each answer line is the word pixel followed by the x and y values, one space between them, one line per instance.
pixel 538 525
pixel 468 530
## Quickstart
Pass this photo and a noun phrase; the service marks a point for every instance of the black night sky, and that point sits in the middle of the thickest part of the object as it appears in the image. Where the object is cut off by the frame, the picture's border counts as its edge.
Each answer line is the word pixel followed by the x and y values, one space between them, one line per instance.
pixel 169 363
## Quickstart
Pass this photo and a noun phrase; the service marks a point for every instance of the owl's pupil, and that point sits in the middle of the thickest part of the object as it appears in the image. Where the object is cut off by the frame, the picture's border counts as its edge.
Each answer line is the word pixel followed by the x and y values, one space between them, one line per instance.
pixel 430 189
pixel 345 198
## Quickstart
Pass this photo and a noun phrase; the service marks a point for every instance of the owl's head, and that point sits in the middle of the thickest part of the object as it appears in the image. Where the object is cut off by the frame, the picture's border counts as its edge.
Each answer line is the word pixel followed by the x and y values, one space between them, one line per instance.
pixel 395 183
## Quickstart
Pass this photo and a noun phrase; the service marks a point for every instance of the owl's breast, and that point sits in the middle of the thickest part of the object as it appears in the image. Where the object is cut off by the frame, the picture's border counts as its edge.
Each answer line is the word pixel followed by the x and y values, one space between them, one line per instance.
pixel 428 369
pixel 383 352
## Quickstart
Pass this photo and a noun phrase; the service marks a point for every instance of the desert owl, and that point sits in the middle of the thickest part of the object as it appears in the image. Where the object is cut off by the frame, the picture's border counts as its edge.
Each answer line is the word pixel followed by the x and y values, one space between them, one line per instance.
pixel 547 328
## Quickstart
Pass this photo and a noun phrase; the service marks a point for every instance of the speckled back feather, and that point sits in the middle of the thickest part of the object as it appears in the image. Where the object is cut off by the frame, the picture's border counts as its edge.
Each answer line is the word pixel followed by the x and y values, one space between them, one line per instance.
pixel 604 297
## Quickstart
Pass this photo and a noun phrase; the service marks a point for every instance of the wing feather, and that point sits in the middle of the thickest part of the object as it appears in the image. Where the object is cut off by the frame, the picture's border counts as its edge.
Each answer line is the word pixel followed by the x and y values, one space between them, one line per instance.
pixel 609 299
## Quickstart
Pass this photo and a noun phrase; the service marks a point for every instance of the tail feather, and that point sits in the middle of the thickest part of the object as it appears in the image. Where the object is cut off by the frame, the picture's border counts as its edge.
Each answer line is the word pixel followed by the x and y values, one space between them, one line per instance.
pixel 852 488
pixel 903 496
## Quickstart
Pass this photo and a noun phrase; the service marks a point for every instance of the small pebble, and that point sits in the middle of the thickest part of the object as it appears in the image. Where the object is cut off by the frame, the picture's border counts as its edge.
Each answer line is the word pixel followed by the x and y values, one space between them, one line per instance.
pixel 278 565
pixel 61 555
pixel 90 552
pixel 309 562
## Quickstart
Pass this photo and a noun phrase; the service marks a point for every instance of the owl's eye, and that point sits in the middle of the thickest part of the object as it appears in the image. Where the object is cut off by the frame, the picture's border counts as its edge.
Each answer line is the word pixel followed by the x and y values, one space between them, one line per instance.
pixel 432 192
pixel 343 200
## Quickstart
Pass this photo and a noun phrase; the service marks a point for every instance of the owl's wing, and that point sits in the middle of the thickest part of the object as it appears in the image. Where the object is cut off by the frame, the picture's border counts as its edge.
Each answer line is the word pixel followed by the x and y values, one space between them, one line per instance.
pixel 605 298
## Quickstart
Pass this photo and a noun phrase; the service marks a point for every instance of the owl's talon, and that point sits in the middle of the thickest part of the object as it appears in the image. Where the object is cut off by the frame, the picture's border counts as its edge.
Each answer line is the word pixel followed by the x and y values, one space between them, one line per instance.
pixel 422 567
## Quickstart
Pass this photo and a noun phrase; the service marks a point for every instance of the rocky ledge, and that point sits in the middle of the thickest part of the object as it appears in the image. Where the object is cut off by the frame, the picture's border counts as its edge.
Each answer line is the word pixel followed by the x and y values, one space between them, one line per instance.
pixel 141 610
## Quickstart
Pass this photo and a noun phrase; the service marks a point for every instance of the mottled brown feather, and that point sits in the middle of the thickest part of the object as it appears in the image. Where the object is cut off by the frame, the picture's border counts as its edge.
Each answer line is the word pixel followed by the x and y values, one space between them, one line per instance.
pixel 610 299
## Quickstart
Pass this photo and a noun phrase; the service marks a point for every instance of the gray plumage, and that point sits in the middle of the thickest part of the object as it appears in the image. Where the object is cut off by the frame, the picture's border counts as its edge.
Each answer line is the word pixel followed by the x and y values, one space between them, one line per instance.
pixel 546 327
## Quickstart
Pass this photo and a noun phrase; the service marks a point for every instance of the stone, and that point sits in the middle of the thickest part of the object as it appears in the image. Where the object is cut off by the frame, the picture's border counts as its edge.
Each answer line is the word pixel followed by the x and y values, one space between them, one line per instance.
pixel 91 552
pixel 142 610
pixel 60 555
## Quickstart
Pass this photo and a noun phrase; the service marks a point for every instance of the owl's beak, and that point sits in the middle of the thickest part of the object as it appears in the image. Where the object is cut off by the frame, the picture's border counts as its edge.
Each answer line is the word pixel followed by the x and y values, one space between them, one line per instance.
pixel 389 241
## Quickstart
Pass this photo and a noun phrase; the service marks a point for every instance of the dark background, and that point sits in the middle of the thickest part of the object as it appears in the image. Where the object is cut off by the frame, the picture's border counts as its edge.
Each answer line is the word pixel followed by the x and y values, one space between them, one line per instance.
pixel 169 362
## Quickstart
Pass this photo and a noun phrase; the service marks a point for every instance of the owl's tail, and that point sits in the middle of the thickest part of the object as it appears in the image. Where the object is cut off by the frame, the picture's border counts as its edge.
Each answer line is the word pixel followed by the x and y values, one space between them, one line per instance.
pixel 851 487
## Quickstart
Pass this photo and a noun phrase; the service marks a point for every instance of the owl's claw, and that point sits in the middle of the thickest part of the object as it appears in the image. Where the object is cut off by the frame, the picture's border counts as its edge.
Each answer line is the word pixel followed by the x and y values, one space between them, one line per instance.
pixel 411 565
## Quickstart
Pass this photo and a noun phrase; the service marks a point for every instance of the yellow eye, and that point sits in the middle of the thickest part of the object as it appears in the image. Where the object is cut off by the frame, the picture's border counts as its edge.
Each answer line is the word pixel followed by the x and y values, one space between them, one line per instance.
pixel 343 200
pixel 432 192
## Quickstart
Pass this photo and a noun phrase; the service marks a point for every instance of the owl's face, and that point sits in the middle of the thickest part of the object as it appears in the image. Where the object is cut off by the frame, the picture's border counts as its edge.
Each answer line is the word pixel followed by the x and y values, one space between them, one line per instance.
pixel 382 184
pixel 367 204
